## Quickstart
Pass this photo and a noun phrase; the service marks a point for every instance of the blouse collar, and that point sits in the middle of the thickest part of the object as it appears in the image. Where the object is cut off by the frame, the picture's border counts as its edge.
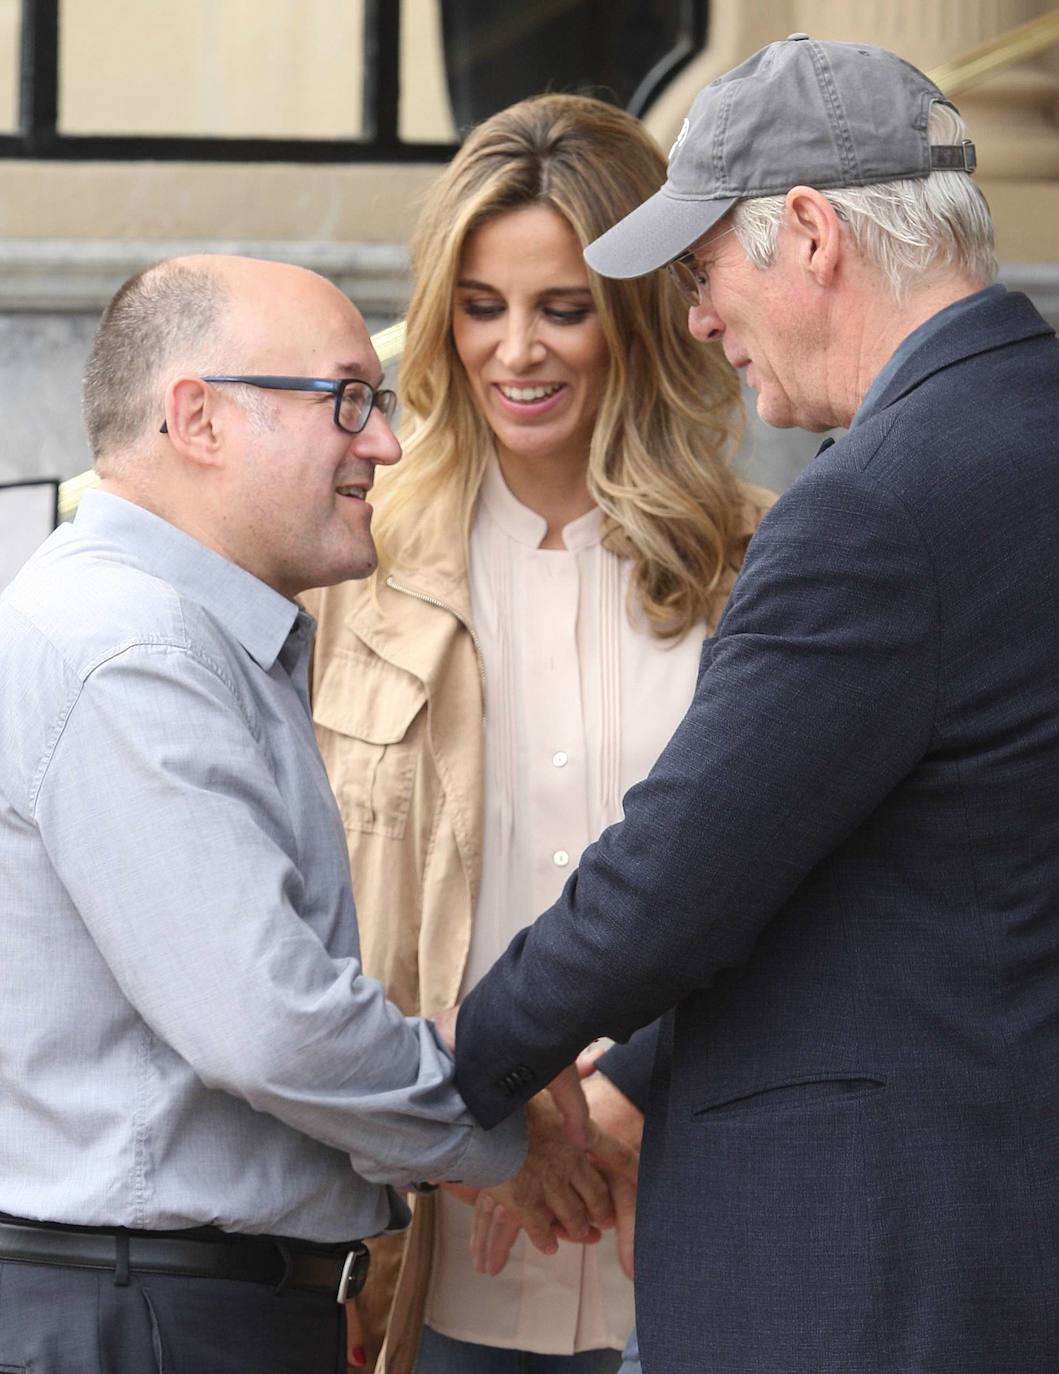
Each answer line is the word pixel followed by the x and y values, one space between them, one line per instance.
pixel 525 526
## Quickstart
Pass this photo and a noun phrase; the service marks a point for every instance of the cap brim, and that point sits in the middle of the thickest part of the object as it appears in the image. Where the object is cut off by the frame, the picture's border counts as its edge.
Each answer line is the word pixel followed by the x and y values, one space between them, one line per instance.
pixel 653 234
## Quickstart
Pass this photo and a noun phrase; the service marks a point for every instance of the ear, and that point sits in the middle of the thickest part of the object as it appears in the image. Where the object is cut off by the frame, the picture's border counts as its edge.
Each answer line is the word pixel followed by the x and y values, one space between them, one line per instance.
pixel 816 232
pixel 191 418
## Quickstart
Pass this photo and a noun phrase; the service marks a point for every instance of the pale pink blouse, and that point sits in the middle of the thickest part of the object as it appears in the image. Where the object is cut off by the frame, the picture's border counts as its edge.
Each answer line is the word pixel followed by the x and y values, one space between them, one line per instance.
pixel 580 700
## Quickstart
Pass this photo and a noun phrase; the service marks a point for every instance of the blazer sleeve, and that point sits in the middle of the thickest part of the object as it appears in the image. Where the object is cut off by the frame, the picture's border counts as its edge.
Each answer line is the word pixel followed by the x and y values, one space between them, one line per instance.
pixel 630 1066
pixel 815 697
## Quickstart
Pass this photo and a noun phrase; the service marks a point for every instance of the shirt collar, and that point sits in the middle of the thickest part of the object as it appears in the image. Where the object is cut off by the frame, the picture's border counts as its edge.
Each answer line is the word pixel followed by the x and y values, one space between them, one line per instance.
pixel 919 337
pixel 525 526
pixel 254 614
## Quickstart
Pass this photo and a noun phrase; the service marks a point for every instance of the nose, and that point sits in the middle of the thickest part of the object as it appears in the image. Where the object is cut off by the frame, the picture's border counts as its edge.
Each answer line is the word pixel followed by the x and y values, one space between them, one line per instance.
pixel 376 442
pixel 519 348
pixel 704 323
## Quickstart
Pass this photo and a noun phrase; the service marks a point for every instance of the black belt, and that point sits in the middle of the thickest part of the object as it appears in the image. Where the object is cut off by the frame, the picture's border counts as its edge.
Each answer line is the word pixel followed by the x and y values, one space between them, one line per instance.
pixel 253 1259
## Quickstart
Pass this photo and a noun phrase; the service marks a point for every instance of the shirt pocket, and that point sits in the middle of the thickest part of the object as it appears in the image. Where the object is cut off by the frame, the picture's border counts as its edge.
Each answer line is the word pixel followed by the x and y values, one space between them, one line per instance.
pixel 366 712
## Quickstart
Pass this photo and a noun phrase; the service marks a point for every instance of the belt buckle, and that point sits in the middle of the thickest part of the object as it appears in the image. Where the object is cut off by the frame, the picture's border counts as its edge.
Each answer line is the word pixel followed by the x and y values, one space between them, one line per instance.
pixel 354 1273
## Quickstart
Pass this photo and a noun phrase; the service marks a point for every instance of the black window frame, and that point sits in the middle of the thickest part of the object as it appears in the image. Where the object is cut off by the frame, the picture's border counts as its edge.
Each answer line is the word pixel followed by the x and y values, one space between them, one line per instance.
pixel 38 136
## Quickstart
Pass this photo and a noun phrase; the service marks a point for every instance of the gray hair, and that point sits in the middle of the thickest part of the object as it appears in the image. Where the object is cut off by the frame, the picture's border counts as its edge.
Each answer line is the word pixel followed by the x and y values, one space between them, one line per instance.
pixel 910 230
pixel 166 316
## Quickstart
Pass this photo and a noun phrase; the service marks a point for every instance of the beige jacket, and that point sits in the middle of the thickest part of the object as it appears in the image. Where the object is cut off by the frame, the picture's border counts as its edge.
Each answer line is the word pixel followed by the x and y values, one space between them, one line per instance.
pixel 398 702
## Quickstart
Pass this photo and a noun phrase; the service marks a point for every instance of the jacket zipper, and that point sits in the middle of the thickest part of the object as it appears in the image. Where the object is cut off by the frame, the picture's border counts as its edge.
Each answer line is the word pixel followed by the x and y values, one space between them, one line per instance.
pixel 443 606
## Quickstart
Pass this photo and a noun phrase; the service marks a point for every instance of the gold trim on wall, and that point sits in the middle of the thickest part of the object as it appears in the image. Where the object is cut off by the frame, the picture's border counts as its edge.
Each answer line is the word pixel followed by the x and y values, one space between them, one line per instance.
pixel 996 54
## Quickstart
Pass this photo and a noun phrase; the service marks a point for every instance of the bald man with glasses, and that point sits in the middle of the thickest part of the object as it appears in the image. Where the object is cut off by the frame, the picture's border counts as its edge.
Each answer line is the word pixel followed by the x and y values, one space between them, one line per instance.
pixel 206 1105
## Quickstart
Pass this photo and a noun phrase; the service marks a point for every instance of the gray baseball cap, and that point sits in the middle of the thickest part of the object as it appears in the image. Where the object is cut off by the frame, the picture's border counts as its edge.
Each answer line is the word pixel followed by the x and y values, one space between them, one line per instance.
pixel 799 112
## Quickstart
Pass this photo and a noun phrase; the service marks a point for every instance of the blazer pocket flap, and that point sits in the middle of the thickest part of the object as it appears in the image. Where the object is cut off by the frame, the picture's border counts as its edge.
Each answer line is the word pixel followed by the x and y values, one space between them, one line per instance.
pixel 795 1094
pixel 366 697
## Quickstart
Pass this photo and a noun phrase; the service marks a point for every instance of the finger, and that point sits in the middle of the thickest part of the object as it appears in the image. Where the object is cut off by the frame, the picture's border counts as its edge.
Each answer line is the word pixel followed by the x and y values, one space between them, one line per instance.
pixel 594 1191
pixel 614 1157
pixel 624 1195
pixel 587 1059
pixel 568 1095
pixel 620 1165
pixel 564 1202
pixel 354 1335
pixel 483 1216
pixel 537 1222
pixel 503 1232
pixel 593 1237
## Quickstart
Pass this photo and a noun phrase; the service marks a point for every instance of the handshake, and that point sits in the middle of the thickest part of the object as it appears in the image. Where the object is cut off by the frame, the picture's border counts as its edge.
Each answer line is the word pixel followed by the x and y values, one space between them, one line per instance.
pixel 579 1175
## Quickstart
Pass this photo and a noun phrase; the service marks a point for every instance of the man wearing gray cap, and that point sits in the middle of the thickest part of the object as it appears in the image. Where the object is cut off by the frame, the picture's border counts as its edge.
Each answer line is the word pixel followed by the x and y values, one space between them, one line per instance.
pixel 840 883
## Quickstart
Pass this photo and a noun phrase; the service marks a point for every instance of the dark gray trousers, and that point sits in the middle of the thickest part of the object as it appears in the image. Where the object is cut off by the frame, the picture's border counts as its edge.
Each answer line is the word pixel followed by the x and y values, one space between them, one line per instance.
pixel 56 1320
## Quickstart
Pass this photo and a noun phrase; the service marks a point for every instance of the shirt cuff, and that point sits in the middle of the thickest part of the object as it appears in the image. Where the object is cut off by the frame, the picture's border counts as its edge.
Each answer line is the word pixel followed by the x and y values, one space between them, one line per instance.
pixel 495 1155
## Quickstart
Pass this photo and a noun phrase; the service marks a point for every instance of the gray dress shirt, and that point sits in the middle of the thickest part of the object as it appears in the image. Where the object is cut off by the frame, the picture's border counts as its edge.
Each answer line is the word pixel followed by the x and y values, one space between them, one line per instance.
pixel 185 1033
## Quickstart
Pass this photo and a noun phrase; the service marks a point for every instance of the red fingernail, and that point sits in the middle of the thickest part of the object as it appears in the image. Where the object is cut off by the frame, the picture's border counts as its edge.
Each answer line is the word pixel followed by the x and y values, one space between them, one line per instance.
pixel 359 1356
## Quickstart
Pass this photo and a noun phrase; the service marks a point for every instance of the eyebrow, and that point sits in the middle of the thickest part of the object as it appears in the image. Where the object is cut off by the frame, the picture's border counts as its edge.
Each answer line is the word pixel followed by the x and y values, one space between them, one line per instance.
pixel 360 372
pixel 470 284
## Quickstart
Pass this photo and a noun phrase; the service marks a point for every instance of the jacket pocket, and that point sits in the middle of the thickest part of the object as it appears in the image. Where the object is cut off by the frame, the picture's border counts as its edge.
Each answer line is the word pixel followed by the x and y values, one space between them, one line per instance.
pixel 364 710
pixel 793 1095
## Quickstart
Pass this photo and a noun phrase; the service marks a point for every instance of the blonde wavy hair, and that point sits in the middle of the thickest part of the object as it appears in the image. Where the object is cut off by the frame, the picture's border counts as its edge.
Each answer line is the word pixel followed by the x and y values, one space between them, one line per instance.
pixel 659 461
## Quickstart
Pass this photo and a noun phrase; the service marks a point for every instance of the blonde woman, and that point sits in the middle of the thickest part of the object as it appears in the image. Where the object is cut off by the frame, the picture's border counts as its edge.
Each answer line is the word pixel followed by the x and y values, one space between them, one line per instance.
pixel 559 538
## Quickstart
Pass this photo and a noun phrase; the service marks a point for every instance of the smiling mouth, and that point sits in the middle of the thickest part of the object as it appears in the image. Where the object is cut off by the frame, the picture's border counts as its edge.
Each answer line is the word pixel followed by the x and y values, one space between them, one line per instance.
pixel 357 493
pixel 529 394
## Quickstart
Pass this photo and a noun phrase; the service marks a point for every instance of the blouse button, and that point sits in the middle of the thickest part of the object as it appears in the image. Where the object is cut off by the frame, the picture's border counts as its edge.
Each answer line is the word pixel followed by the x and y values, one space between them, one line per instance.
pixel 560 858
pixel 560 758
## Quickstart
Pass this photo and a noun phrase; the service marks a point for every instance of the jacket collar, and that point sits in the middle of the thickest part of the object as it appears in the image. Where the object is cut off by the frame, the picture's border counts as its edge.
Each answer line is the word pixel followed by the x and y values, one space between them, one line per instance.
pixel 977 324
pixel 420 596
pixel 427 552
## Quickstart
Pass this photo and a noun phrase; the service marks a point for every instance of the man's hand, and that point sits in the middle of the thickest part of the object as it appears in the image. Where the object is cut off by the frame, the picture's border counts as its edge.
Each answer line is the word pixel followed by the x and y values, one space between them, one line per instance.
pixel 613 1112
pixel 569 1097
pixel 577 1180
pixel 557 1192
pixel 600 1187
pixel 618 1120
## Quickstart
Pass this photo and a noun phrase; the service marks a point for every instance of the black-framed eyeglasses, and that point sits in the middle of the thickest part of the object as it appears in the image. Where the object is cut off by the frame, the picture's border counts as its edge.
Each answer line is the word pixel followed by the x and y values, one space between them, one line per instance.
pixel 687 273
pixel 688 277
pixel 354 398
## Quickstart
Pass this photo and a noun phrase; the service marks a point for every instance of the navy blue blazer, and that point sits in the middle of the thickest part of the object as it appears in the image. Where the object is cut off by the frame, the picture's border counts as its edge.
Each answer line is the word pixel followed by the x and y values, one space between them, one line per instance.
pixel 842 876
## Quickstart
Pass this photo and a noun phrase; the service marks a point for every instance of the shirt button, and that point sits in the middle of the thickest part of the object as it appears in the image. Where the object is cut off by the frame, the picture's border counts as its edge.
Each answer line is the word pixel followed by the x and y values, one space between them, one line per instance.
pixel 560 858
pixel 560 758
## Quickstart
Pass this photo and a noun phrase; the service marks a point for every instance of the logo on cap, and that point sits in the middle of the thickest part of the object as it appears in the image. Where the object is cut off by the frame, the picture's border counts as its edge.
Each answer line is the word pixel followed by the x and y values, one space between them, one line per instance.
pixel 678 142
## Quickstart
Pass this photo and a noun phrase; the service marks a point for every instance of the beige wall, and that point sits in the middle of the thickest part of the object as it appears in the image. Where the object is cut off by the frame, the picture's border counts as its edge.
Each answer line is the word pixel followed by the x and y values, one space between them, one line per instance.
pixel 211 67
pixel 209 201
pixel 243 68
pixel 251 68
pixel 9 27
